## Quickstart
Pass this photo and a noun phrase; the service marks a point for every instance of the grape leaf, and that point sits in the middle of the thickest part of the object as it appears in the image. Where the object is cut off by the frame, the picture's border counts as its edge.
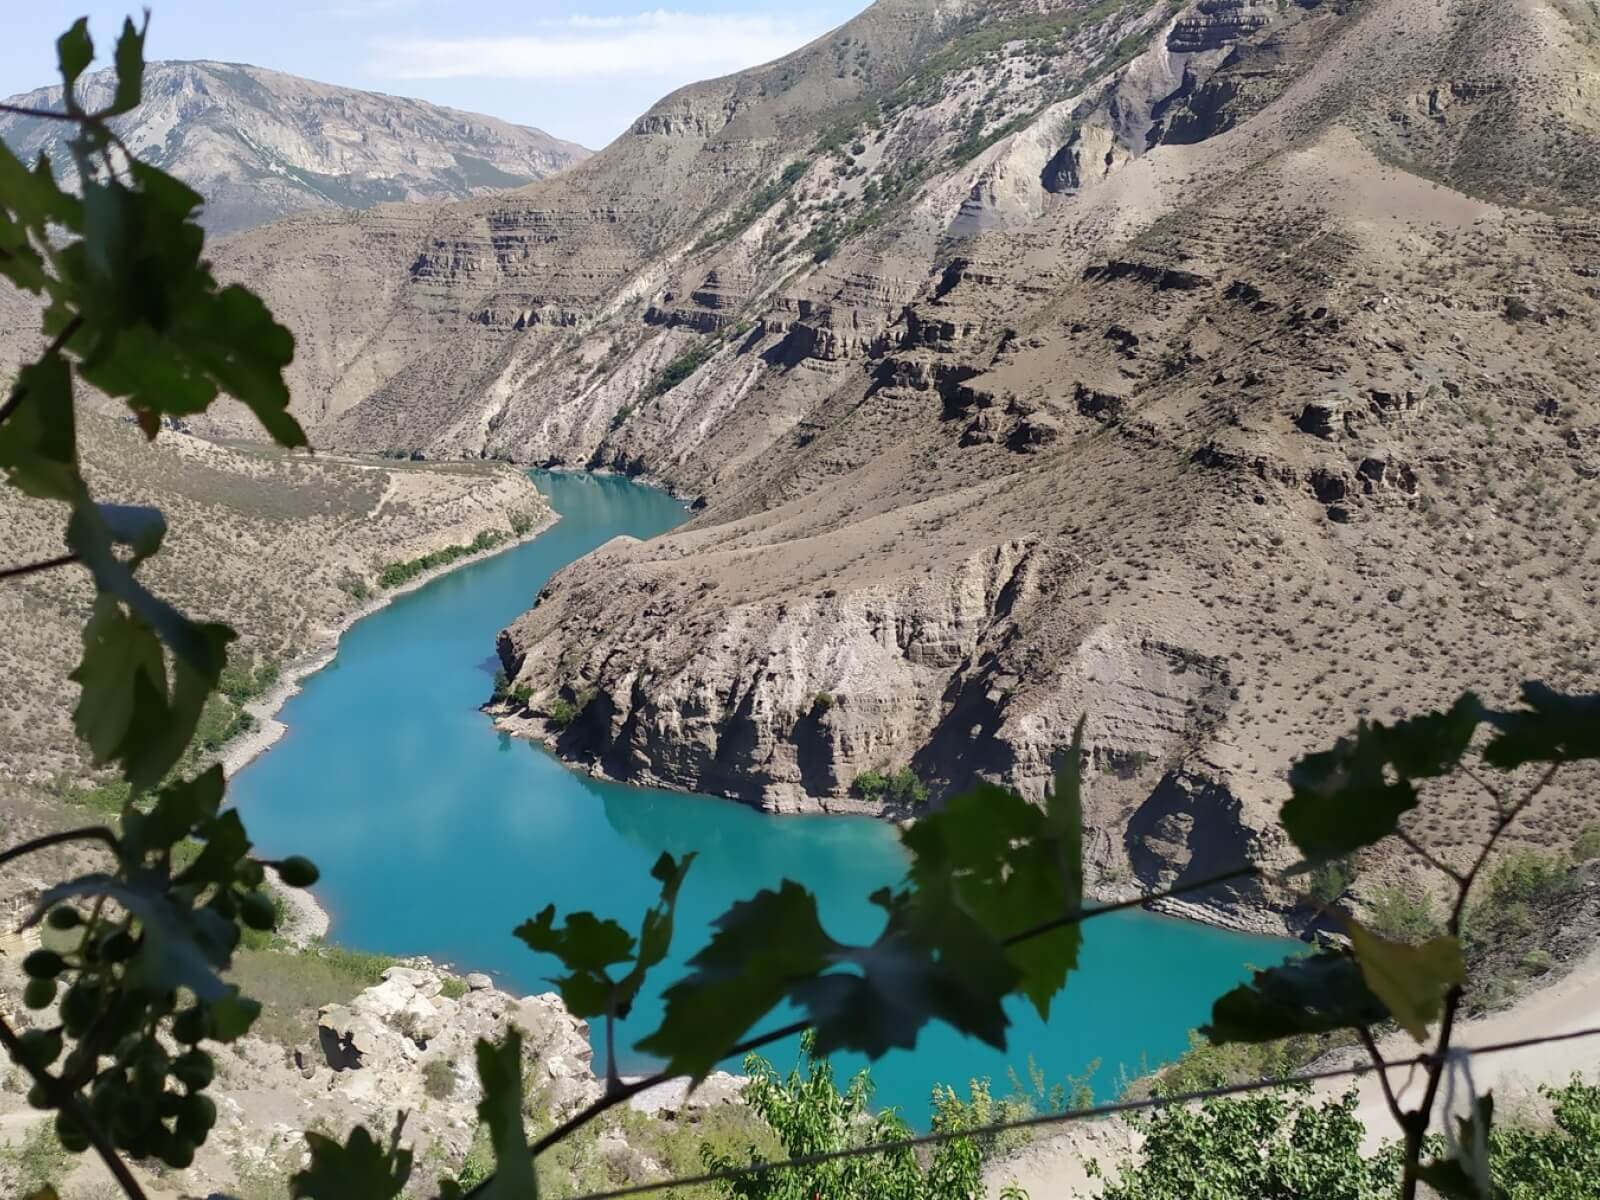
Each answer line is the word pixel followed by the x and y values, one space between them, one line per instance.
pixel 126 712
pixel 1312 994
pixel 1410 980
pixel 130 67
pixel 500 1073
pixel 1343 799
pixel 1553 728
pixel 1467 1176
pixel 760 948
pixel 587 946
pixel 226 845
pixel 906 979
pixel 74 52
pixel 1431 745
pixel 1354 795
pixel 179 808
pixel 39 441
pixel 359 1168
pixel 1009 866
pixel 179 946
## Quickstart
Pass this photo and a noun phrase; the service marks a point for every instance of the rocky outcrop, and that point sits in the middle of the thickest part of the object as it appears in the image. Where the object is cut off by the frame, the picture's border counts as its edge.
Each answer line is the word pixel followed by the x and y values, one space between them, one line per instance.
pixel 381 1047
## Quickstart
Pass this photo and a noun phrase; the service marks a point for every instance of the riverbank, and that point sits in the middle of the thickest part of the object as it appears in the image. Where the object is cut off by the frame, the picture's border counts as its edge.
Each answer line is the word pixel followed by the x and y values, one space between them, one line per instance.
pixel 308 920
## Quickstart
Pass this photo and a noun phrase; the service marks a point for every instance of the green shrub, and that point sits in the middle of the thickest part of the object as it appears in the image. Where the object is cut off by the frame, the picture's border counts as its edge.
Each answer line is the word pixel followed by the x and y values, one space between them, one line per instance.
pixel 396 574
pixel 809 1113
pixel 901 788
pixel 1519 885
pixel 564 712
pixel 1538 962
pixel 1330 881
pixel 680 368
pixel 454 988
pixel 1587 847
pixel 821 703
pixel 870 785
pixel 38 1161
pixel 1403 916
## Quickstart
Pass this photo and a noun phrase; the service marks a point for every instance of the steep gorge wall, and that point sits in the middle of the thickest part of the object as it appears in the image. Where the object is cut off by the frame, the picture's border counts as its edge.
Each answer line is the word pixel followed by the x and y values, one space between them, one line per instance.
pixel 1115 371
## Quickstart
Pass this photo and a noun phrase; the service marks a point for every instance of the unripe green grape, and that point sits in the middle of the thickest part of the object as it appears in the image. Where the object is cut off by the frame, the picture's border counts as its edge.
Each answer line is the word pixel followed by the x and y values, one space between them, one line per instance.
pixel 70 1134
pixel 150 1071
pixel 40 1047
pixel 38 1097
pixel 257 912
pixel 43 964
pixel 39 993
pixel 177 1152
pixel 80 1006
pixel 297 872
pixel 119 947
pixel 189 1026
pixel 196 1118
pixel 194 1070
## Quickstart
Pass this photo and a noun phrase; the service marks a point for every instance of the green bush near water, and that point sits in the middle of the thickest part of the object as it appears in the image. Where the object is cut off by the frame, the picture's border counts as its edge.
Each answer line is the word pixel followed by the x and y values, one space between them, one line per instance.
pixel 901 787
pixel 396 574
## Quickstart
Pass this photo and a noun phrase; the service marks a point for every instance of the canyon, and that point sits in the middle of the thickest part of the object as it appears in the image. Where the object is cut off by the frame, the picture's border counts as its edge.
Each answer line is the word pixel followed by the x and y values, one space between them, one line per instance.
pixel 1213 370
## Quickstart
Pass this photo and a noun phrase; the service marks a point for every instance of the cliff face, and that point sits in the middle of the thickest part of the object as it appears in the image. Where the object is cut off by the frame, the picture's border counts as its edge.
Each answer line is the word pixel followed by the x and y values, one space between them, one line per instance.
pixel 1206 370
pixel 260 144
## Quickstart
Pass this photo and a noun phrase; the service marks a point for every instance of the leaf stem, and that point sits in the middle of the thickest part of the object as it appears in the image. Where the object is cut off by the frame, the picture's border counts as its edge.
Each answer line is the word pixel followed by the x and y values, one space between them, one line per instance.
pixel 19 393
pixel 1416 1122
pixel 1426 856
pixel 68 1101
pixel 1382 1067
pixel 90 833
pixel 49 564
pixel 43 114
pixel 629 1090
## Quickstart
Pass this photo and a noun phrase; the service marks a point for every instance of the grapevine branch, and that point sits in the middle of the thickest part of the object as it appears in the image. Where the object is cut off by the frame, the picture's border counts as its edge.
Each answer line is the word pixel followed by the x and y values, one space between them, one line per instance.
pixel 627 1091
pixel 1416 1122
pixel 68 1101
pixel 92 833
pixel 49 564
pixel 57 344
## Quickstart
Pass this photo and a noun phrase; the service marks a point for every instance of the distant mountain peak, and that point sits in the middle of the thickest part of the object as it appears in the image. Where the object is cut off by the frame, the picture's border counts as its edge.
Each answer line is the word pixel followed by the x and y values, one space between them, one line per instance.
pixel 261 144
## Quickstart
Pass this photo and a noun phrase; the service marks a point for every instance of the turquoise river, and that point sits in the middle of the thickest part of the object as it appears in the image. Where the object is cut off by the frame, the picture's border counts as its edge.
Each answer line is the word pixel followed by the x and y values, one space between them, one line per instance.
pixel 436 835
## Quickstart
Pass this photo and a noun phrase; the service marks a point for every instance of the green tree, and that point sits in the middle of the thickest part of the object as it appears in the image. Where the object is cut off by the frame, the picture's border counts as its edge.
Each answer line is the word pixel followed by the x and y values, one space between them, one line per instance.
pixel 811 1116
pixel 1276 1145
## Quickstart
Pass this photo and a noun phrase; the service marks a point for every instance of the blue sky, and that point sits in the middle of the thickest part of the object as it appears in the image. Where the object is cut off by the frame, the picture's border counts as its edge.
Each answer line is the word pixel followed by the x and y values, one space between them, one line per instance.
pixel 581 70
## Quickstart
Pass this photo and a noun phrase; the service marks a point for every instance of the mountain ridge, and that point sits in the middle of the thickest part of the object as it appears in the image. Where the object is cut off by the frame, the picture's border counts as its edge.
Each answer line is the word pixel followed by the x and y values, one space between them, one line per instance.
pixel 261 143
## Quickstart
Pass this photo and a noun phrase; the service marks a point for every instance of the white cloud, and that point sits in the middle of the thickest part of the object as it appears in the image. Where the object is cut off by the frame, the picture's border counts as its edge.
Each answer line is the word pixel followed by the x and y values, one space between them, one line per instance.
pixel 659 44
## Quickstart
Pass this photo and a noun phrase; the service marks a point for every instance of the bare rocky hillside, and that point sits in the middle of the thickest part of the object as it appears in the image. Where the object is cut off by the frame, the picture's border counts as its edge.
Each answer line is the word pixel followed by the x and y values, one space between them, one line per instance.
pixel 284 548
pixel 259 144
pixel 1220 370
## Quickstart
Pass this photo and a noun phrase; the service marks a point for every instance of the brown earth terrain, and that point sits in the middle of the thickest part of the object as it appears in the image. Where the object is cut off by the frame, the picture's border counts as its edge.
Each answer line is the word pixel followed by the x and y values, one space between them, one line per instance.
pixel 1218 370
pixel 285 548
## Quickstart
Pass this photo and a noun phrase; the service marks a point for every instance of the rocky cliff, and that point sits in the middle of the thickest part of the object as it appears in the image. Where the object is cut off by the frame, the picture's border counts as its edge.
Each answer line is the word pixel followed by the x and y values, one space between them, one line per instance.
pixel 1210 369
pixel 259 144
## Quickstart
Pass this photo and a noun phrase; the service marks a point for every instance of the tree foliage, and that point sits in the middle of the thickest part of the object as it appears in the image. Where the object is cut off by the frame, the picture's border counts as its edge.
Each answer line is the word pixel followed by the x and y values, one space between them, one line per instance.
pixel 812 1116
